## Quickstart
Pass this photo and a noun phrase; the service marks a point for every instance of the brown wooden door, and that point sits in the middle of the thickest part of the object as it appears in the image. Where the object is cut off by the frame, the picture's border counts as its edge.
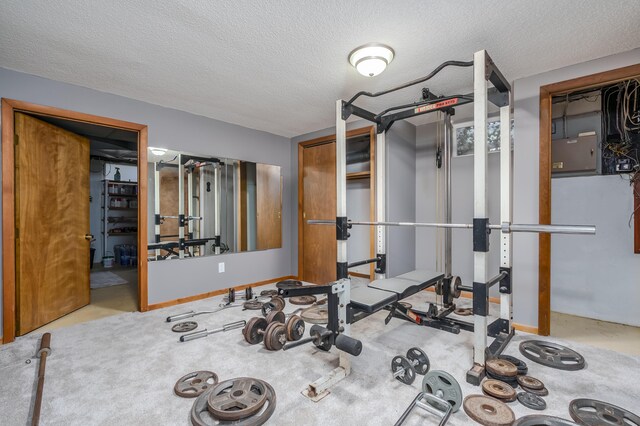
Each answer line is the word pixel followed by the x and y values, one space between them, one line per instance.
pixel 268 207
pixel 52 219
pixel 319 202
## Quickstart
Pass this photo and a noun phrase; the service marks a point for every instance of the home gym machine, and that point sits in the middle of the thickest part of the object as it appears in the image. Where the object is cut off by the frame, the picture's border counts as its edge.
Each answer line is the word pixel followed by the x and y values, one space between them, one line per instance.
pixel 348 305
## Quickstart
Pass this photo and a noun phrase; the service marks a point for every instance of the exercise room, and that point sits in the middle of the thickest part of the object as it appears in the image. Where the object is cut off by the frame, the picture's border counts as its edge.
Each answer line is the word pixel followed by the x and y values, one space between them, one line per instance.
pixel 311 213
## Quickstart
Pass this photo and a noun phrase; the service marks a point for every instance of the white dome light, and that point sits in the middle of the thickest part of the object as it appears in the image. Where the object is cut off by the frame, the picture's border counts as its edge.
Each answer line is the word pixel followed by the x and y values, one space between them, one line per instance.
pixel 157 151
pixel 371 59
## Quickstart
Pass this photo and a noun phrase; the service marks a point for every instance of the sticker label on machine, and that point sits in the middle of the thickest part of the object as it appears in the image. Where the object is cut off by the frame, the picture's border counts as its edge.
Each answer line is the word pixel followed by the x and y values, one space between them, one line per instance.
pixel 437 105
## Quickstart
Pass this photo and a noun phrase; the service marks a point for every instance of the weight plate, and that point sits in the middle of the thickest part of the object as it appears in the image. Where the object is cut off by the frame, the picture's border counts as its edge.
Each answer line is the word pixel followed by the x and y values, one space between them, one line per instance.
pixel 406 305
pixel 403 370
pixel 530 383
pixel 322 344
pixel 520 364
pixel 195 383
pixel 419 360
pixel 532 401
pixel 512 381
pixel 239 398
pixel 183 327
pixel 275 336
pixel 463 312
pixel 501 367
pixel 445 386
pixel 488 411
pixel 288 284
pixel 590 412
pixel 269 293
pixel 552 355
pixel 315 315
pixel 454 286
pixel 539 392
pixel 541 420
pixel 498 389
pixel 276 316
pixel 251 331
pixel 302 300
pixel 267 308
pixel 322 301
pixel 278 302
pixel 295 328
pixel 252 304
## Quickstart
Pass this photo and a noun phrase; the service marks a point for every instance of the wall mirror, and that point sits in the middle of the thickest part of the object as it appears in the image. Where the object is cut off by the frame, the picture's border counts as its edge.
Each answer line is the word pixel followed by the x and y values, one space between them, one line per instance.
pixel 204 205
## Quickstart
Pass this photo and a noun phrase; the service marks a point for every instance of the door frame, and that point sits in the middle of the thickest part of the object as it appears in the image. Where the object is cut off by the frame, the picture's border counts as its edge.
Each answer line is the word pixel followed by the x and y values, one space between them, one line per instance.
pixel 544 202
pixel 370 130
pixel 9 107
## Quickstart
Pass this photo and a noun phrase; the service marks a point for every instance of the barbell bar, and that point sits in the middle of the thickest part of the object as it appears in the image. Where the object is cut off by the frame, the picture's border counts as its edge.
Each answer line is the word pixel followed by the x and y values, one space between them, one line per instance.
pixel 504 227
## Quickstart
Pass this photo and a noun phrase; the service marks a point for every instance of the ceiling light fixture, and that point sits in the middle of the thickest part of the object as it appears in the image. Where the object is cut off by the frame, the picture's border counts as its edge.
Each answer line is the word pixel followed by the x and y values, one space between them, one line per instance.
pixel 371 59
pixel 158 151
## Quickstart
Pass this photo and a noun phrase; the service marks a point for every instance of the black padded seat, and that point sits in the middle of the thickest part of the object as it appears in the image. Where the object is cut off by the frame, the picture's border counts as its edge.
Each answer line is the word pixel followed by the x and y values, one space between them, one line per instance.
pixel 370 299
pixel 409 283
pixel 422 276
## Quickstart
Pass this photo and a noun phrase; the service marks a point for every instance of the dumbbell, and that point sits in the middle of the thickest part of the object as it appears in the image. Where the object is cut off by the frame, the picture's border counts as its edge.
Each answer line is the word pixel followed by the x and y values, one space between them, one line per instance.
pixel 321 338
pixel 273 330
pixel 232 295
pixel 276 303
pixel 404 369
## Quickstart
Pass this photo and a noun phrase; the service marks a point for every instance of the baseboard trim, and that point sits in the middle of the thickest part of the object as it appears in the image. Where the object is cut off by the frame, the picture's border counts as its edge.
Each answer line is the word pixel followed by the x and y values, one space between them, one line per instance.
pixel 215 293
pixel 468 295
pixel 360 275
pixel 526 328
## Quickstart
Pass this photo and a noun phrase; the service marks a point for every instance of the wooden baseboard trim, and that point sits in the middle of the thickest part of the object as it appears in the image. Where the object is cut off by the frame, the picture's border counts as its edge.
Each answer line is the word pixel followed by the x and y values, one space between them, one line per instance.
pixel 214 293
pixel 526 328
pixel 360 275
pixel 468 295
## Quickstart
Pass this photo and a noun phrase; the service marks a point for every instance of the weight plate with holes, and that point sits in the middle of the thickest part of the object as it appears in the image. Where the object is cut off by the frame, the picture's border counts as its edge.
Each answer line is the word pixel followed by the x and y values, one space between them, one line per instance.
pixel 406 305
pixel 532 401
pixel 288 284
pixel 315 315
pixel 237 399
pixel 501 367
pixel 520 364
pixel 195 383
pixel 302 300
pixel 463 312
pixel 278 302
pixel 267 308
pixel 454 286
pixel 322 344
pixel 445 386
pixel 276 316
pixel 512 381
pixel 295 328
pixel 183 327
pixel 552 355
pixel 419 360
pixel 542 420
pixel 590 412
pixel 270 293
pixel 275 336
pixel 252 305
pixel 403 370
pixel 530 383
pixel 251 330
pixel 488 411
pixel 498 389
pixel 539 392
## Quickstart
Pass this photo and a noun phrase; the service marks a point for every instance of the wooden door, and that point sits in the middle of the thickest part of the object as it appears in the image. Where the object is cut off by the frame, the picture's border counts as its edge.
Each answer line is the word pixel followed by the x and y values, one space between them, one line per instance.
pixel 268 207
pixel 52 220
pixel 319 245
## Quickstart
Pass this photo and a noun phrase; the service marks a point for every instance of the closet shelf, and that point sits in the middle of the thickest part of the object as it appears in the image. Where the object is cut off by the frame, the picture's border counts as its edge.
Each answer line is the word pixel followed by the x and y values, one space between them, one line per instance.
pixel 358 175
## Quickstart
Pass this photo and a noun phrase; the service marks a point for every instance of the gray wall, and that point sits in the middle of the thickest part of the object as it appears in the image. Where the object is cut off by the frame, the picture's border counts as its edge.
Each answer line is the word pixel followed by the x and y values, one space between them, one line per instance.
pixel 400 189
pixel 525 206
pixel 179 130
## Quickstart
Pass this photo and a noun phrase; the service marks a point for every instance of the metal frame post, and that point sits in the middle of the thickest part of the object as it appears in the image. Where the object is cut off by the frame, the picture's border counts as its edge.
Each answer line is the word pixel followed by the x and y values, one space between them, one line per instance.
pixel 180 207
pixel 341 190
pixel 381 167
pixel 156 204
pixel 216 196
pixel 447 192
pixel 190 211
pixel 506 210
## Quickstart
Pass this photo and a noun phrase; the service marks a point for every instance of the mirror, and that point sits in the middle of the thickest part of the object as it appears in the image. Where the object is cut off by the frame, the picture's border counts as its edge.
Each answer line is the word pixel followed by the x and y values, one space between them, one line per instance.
pixel 204 205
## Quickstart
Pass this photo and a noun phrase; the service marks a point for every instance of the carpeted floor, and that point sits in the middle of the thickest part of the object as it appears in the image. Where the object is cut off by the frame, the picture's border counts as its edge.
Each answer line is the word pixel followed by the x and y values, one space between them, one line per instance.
pixel 121 371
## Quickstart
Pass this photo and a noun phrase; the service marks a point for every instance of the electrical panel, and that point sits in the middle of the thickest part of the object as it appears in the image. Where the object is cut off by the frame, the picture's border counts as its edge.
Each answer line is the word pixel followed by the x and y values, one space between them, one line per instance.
pixel 575 155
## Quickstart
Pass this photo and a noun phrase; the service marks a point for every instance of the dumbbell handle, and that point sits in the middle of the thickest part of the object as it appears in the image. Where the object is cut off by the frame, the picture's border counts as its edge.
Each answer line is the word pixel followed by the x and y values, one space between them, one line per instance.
pixel 307 340
pixel 205 332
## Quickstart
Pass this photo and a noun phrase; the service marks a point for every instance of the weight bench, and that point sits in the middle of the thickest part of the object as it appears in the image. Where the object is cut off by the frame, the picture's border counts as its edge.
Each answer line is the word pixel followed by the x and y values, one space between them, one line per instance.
pixel 384 292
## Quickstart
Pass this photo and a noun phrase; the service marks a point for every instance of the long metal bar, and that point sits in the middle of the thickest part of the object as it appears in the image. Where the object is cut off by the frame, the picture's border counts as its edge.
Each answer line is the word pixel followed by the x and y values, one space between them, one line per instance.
pixel 180 203
pixel 190 205
pixel 156 203
pixel 216 195
pixel 381 185
pixel 447 192
pixel 43 352
pixel 506 206
pixel 553 229
pixel 480 208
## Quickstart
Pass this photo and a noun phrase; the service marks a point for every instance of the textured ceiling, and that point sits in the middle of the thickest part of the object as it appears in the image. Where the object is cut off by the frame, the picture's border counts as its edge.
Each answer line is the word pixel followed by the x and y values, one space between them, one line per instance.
pixel 279 66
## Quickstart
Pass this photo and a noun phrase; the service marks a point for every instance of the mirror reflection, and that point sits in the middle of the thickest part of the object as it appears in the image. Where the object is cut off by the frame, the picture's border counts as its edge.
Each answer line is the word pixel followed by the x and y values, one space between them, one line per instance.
pixel 202 205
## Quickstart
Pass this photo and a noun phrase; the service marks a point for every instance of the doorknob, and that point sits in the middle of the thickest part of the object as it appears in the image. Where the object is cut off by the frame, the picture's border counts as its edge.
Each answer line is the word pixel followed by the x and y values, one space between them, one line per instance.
pixel 88 237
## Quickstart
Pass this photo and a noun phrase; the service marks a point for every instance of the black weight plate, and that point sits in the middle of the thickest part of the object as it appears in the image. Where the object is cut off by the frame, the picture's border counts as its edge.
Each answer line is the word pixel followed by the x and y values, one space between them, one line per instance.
pixel 539 392
pixel 591 412
pixel 276 335
pixel 323 344
pixel 541 420
pixel 400 364
pixel 532 401
pixel 529 382
pixel 302 300
pixel 183 327
pixel 195 383
pixel 288 284
pixel 267 308
pixel 520 364
pixel 552 355
pixel 295 328
pixel 237 398
pixel 423 364
pixel 510 380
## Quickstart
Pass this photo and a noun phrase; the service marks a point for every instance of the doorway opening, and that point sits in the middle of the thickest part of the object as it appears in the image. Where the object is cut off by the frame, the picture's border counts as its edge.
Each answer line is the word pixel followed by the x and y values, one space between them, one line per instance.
pixel 74 217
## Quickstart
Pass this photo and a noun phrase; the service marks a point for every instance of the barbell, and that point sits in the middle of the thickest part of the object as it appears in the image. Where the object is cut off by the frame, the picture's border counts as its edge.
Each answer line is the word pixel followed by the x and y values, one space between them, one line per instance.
pixel 505 227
